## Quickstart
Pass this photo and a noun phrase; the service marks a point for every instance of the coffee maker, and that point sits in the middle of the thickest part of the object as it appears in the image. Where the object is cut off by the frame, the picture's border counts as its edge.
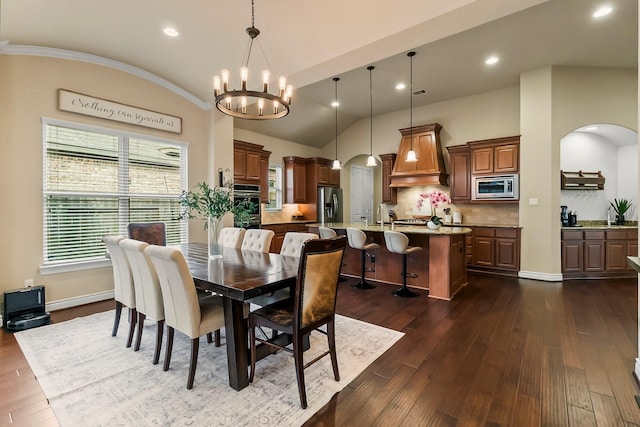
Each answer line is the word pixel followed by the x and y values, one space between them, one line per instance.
pixel 564 215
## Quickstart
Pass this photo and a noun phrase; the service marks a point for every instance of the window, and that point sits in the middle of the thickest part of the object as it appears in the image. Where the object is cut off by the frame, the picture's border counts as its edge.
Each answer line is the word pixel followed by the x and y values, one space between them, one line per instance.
pixel 98 180
pixel 275 188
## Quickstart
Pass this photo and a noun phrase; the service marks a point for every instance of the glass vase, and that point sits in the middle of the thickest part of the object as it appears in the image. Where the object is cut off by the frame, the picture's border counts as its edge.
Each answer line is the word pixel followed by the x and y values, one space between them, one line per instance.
pixel 213 227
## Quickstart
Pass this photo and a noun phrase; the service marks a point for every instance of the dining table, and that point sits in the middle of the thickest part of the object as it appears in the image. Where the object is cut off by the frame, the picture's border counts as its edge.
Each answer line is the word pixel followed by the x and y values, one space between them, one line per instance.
pixel 239 276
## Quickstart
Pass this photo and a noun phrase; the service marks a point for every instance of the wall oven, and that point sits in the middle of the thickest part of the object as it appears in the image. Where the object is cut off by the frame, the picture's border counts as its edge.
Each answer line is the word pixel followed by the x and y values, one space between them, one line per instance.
pixel 251 192
pixel 502 187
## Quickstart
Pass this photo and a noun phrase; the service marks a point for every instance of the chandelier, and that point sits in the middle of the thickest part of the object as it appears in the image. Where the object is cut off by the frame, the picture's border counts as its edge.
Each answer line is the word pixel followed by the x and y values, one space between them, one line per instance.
pixel 251 104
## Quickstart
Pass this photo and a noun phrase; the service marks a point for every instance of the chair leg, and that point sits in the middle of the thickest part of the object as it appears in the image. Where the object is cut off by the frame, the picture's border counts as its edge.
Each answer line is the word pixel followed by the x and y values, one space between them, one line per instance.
pixel 133 314
pixel 216 337
pixel 141 318
pixel 116 321
pixel 159 331
pixel 195 346
pixel 298 351
pixel 404 291
pixel 209 338
pixel 331 337
pixel 167 354
pixel 363 284
pixel 252 346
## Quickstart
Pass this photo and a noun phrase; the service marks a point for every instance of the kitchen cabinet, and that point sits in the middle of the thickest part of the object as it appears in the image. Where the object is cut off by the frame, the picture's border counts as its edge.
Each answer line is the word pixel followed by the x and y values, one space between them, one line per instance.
pixel 246 163
pixel 495 156
pixel 389 194
pixel 493 249
pixel 295 180
pixel 319 173
pixel 264 176
pixel 429 169
pixel 460 177
pixel 598 253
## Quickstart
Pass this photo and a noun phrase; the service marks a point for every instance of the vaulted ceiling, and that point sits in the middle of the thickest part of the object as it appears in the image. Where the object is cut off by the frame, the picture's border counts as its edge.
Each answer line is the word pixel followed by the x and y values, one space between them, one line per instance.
pixel 312 42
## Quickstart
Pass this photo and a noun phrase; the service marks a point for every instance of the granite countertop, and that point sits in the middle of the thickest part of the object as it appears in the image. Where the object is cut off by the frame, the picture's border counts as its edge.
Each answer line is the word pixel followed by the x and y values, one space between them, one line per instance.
pixel 297 221
pixel 411 229
pixel 602 225
pixel 475 224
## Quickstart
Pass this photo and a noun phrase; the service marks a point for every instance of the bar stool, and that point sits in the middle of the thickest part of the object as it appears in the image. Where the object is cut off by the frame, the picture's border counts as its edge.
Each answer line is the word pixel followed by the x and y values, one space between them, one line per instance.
pixel 358 240
pixel 399 243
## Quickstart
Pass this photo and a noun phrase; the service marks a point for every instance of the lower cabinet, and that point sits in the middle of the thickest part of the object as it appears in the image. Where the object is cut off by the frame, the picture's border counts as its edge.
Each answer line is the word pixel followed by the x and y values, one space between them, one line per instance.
pixel 590 254
pixel 280 230
pixel 493 249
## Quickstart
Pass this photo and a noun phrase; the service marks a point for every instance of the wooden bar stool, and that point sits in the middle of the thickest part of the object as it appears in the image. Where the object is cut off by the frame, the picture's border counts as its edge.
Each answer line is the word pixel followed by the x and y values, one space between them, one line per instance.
pixel 358 240
pixel 399 243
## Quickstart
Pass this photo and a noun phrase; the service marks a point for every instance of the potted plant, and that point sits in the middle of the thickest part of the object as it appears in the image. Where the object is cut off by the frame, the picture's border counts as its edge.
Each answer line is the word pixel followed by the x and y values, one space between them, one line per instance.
pixel 211 204
pixel 620 207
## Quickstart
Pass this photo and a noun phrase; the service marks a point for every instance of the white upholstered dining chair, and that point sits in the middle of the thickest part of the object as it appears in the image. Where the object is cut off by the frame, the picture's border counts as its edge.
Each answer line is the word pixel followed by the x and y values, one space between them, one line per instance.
pixel 256 239
pixel 124 293
pixel 231 237
pixel 149 302
pixel 293 242
pixel 182 309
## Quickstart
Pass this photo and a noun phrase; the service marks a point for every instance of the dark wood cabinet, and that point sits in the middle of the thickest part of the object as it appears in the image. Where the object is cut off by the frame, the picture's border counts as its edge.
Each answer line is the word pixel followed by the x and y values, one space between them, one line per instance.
pixel 248 164
pixel 295 179
pixel 320 174
pixel 460 177
pixel 264 176
pixel 598 253
pixel 495 156
pixel 280 230
pixel 493 249
pixel 389 194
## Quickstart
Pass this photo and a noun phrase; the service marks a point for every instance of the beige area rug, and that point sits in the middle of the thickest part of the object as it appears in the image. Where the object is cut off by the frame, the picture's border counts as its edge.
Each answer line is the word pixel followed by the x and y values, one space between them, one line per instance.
pixel 91 379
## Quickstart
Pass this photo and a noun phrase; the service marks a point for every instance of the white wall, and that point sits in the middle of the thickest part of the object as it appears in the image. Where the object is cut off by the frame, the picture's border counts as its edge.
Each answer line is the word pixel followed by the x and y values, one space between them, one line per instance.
pixel 591 153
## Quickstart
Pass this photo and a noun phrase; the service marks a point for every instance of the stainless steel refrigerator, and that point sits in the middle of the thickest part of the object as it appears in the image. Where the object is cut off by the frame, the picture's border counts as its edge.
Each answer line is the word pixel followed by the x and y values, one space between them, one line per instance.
pixel 329 204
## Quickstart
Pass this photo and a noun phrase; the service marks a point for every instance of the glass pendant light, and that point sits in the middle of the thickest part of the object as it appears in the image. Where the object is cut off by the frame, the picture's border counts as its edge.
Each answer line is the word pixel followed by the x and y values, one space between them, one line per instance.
pixel 336 162
pixel 411 155
pixel 371 161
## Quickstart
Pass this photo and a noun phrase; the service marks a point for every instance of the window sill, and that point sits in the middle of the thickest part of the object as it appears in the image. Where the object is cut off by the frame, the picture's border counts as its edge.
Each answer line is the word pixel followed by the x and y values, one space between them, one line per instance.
pixel 76 266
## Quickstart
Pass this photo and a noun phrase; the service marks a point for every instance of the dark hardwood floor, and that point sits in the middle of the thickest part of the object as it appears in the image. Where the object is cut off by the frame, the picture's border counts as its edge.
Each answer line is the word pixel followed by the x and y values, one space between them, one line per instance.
pixel 504 352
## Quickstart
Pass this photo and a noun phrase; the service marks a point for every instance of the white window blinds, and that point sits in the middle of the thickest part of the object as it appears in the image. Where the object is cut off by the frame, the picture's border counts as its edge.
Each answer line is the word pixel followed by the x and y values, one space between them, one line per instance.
pixel 96 181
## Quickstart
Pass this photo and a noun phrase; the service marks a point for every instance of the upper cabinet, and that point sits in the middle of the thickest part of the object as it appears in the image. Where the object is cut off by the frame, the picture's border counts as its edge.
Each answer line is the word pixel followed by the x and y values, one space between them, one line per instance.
pixel 295 179
pixel 248 163
pixel 389 194
pixel 495 156
pixel 429 169
pixel 460 164
pixel 319 173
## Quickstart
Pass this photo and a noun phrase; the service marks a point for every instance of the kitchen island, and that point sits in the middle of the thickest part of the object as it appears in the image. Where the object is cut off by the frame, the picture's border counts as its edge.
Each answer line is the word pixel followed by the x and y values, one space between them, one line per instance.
pixel 440 267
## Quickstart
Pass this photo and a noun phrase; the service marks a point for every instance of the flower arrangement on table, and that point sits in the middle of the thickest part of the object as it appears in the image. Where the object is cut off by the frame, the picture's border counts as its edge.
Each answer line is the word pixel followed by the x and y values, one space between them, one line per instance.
pixel 436 198
pixel 211 204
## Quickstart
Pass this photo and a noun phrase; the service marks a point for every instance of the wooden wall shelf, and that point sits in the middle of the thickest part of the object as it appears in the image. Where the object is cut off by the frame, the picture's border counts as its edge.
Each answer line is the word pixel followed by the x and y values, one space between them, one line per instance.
pixel 581 180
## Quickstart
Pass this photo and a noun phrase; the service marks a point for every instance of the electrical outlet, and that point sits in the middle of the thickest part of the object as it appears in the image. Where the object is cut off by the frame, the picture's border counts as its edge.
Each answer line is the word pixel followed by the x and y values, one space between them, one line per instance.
pixel 28 283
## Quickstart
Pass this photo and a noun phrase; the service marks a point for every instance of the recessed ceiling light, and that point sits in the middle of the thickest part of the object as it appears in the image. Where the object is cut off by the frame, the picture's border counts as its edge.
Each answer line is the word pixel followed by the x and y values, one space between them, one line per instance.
pixel 171 32
pixel 335 104
pixel 491 60
pixel 592 128
pixel 400 86
pixel 602 11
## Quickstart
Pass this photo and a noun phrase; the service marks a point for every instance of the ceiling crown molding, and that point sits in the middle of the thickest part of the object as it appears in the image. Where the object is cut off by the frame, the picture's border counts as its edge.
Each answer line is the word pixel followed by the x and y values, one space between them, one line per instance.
pixel 8 49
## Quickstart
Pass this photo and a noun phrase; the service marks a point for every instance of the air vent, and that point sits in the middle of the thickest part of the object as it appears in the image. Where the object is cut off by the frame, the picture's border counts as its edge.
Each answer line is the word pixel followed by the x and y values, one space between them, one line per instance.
pixel 419 92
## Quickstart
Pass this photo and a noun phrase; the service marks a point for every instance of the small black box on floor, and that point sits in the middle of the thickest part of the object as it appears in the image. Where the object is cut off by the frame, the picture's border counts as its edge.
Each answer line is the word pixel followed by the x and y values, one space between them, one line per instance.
pixel 24 308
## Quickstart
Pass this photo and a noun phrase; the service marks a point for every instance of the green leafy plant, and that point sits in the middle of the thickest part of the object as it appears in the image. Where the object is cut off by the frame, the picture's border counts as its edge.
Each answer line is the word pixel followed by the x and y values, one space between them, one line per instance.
pixel 214 202
pixel 621 206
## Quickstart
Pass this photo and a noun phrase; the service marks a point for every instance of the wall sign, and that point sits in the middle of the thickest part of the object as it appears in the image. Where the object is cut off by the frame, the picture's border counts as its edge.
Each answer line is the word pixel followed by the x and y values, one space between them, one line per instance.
pixel 104 109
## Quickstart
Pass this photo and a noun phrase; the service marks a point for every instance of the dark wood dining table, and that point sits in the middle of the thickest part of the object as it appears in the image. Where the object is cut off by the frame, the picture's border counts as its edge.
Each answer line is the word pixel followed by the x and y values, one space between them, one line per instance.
pixel 238 276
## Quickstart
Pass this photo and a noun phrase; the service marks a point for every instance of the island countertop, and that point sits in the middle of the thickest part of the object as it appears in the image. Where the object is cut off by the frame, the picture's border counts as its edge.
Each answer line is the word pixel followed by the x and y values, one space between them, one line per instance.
pixel 407 229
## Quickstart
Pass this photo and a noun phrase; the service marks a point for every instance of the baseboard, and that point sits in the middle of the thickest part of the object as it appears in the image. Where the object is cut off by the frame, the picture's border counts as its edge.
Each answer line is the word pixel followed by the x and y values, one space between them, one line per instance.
pixel 81 300
pixel 535 275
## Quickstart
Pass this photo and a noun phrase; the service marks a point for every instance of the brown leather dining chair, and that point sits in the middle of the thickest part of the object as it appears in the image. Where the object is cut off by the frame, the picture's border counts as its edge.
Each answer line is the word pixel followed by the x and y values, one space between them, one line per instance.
pixel 313 305
pixel 153 233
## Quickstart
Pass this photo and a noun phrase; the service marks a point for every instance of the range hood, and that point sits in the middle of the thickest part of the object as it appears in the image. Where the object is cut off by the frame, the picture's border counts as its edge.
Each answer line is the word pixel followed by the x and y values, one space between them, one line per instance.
pixel 429 169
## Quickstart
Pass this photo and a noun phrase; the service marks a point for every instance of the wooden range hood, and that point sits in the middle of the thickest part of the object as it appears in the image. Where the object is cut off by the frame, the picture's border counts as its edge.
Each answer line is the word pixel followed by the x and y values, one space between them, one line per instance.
pixel 429 169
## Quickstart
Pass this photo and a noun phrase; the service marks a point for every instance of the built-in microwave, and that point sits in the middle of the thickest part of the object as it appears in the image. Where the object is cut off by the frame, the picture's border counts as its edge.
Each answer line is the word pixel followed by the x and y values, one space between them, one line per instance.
pixel 496 187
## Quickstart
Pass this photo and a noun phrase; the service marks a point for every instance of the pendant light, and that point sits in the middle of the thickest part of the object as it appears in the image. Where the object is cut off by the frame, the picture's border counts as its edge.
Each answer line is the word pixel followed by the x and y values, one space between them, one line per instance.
pixel 411 155
pixel 336 162
pixel 371 161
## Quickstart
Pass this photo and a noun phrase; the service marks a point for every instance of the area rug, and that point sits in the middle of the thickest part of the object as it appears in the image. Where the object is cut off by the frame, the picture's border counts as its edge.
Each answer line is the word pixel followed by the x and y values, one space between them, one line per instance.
pixel 91 379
